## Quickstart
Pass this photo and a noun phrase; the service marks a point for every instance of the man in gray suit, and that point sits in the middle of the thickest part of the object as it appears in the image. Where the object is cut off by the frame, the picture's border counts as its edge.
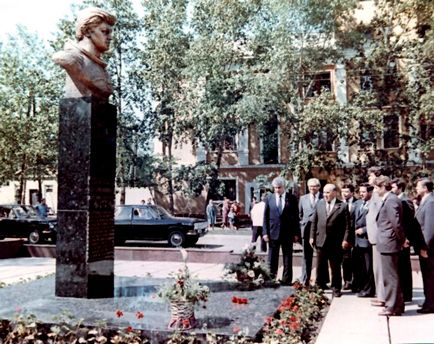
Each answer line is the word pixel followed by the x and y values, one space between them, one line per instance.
pixel 306 207
pixel 414 237
pixel 281 228
pixel 390 240
pixel 330 235
pixel 363 281
pixel 371 228
pixel 425 216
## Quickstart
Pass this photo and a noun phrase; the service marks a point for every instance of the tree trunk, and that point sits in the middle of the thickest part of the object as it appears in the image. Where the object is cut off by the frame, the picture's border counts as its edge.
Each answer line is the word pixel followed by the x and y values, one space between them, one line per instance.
pixel 170 183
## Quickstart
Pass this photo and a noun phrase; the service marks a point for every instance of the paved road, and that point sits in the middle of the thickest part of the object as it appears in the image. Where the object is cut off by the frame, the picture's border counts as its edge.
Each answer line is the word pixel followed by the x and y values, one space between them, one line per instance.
pixel 349 320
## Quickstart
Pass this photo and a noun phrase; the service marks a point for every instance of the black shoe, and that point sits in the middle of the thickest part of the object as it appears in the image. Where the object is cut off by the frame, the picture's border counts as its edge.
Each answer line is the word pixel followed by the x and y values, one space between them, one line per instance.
pixel 364 294
pixel 283 282
pixel 322 286
pixel 337 293
pixel 347 286
pixel 425 310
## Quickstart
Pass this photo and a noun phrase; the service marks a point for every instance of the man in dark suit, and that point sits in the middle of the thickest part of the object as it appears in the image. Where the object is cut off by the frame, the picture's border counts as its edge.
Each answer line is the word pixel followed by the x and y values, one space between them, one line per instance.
pixel 414 237
pixel 347 192
pixel 281 228
pixel 425 217
pixel 390 240
pixel 330 235
pixel 363 281
pixel 306 207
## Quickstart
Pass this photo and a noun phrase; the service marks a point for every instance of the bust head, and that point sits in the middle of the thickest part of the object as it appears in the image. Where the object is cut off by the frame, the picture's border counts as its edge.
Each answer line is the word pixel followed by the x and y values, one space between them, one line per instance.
pixel 86 74
pixel 95 25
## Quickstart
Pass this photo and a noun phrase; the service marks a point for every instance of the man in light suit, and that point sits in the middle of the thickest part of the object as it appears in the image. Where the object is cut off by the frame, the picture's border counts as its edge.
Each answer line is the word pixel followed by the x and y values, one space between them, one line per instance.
pixel 281 228
pixel 390 240
pixel 371 228
pixel 306 207
pixel 425 216
pixel 330 235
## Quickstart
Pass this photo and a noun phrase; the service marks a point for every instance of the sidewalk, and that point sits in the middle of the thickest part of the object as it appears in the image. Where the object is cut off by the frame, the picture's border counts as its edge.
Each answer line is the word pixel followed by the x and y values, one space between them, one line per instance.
pixel 350 319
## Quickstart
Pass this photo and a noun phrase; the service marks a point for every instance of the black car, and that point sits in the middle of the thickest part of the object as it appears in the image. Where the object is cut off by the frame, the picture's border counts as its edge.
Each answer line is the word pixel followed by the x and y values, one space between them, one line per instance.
pixel 19 222
pixel 152 222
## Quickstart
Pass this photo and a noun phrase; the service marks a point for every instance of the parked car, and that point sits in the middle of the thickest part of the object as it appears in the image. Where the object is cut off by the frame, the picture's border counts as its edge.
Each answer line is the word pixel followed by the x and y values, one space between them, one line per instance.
pixel 19 222
pixel 152 222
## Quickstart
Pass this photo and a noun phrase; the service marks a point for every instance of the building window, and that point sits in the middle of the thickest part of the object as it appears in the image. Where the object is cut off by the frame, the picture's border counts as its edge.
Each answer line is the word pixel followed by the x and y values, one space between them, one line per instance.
pixel 391 131
pixel 227 188
pixel 270 141
pixel 426 130
pixel 366 81
pixel 229 144
pixel 315 84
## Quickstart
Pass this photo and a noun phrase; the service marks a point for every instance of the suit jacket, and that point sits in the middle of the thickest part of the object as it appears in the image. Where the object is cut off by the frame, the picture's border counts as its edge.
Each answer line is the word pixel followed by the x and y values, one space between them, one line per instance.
pixel 390 234
pixel 335 227
pixel 371 218
pixel 425 216
pixel 411 226
pixel 283 225
pixel 359 218
pixel 306 211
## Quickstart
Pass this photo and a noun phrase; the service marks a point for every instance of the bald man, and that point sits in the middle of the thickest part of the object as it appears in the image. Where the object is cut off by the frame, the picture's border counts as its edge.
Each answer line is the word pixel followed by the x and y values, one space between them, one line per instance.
pixel 330 235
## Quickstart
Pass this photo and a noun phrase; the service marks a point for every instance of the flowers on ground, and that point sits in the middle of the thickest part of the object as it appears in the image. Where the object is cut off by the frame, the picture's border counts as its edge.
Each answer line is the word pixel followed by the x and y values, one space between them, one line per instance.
pixel 240 300
pixel 184 288
pixel 251 271
pixel 297 317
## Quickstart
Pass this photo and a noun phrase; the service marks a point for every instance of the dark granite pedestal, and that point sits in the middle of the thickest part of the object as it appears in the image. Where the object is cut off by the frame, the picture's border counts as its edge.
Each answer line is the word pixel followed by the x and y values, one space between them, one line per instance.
pixel 86 198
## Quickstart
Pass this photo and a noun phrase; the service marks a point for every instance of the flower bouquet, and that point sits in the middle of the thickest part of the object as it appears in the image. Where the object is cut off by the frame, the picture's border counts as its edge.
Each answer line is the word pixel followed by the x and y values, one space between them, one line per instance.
pixel 251 271
pixel 183 293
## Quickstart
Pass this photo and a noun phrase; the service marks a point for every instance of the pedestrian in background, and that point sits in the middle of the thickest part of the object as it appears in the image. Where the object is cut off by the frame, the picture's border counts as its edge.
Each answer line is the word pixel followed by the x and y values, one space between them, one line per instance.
pixel 211 214
pixel 42 209
pixel 257 216
pixel 225 213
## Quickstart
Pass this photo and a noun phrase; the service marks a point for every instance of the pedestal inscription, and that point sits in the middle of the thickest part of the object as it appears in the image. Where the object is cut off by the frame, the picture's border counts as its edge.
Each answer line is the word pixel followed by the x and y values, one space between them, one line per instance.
pixel 86 198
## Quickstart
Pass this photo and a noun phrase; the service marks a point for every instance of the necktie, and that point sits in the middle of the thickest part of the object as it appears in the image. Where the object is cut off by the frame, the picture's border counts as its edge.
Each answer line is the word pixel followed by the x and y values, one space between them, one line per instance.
pixel 279 204
pixel 329 208
pixel 313 200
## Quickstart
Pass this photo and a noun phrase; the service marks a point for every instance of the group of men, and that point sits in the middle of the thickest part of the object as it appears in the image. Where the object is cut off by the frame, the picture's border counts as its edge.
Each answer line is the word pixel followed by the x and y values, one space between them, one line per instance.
pixel 365 242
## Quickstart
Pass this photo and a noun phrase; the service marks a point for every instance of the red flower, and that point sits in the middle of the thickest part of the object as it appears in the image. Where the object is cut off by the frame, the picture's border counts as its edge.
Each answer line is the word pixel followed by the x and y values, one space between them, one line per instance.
pixel 240 300
pixel 139 315
pixel 268 320
pixel 236 329
pixel 119 313
pixel 185 322
pixel 279 331
pixel 294 325
pixel 295 308
pixel 129 329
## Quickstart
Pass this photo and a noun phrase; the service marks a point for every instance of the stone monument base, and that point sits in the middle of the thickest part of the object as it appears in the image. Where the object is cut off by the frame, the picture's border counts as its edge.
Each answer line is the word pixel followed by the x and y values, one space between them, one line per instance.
pixel 86 199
